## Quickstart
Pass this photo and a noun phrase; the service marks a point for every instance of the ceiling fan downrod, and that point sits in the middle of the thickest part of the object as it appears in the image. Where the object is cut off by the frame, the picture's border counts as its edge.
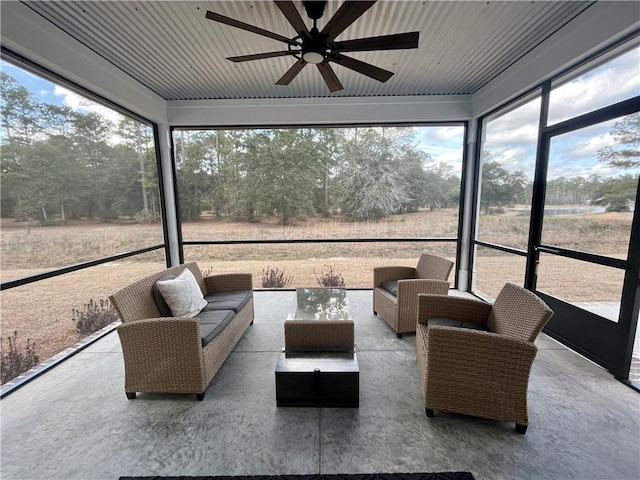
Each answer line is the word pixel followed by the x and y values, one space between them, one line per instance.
pixel 314 9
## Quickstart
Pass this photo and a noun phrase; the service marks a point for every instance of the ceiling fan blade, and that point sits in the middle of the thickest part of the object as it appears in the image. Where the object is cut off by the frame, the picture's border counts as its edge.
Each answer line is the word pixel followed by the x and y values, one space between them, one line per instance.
pixel 291 73
pixel 348 13
pixel 367 69
pixel 260 56
pixel 329 77
pixel 291 13
pixel 249 28
pixel 397 41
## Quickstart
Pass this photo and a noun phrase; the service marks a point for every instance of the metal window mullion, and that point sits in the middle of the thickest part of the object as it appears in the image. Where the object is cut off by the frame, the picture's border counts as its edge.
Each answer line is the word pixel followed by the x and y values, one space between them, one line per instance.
pixel 539 191
pixel 630 301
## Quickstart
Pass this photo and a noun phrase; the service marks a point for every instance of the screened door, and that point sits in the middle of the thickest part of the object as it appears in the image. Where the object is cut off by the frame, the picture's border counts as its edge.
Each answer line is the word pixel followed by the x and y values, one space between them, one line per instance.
pixel 586 269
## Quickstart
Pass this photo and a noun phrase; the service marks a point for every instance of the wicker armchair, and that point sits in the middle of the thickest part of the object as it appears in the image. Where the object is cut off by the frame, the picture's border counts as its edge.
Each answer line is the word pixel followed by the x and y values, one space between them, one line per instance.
pixel 166 354
pixel 396 289
pixel 475 358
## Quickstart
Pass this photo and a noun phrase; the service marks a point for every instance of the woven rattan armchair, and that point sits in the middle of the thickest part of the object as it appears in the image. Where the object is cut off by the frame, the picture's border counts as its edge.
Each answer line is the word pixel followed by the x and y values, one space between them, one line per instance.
pixel 166 354
pixel 475 358
pixel 396 289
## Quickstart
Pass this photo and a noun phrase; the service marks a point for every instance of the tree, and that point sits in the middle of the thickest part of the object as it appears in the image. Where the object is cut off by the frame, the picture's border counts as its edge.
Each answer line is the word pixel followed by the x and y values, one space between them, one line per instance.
pixel 499 186
pixel 91 135
pixel 616 193
pixel 570 191
pixel 413 165
pixel 626 152
pixel 192 177
pixel 232 173
pixel 139 142
pixel 56 119
pixel 56 169
pixel 442 187
pixel 14 182
pixel 284 170
pixel 372 182
pixel 55 176
pixel 328 144
pixel 19 111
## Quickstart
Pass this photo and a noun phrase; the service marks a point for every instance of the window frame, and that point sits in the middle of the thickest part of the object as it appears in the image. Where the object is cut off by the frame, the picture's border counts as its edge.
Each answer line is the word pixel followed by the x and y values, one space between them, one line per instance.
pixel 461 208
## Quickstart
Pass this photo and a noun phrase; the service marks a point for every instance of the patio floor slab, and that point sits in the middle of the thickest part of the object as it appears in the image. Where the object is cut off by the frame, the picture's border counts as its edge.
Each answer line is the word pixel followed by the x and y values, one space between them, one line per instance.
pixel 74 421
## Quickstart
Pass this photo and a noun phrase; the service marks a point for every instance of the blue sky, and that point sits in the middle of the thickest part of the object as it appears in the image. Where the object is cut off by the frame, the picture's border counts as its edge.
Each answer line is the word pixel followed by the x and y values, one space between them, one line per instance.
pixel 444 144
pixel 511 138
pixel 48 92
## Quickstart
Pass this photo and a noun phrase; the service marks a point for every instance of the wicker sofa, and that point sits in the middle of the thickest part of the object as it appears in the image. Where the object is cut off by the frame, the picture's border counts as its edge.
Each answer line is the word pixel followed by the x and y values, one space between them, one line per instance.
pixel 165 354
pixel 475 358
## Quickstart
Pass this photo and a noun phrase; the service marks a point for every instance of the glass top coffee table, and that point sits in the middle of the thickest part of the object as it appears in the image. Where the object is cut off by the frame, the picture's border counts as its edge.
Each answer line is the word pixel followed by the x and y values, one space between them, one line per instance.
pixel 318 367
pixel 320 304
pixel 319 320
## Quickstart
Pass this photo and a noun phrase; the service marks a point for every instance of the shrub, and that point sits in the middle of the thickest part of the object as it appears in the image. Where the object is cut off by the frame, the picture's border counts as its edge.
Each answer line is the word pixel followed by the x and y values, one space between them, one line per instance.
pixel 330 278
pixel 275 278
pixel 51 222
pixel 207 272
pixel 95 316
pixel 13 362
pixel 144 216
pixel 593 226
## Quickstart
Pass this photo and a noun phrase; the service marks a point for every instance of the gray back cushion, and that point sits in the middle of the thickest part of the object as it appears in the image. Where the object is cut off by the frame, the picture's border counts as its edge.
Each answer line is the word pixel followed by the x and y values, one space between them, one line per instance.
pixel 391 286
pixel 165 310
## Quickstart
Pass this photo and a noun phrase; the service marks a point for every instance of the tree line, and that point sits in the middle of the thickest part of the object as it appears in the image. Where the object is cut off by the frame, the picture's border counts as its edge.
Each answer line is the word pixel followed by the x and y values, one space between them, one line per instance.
pixel 361 173
pixel 71 164
pixel 59 164
pixel 501 188
pixel 63 163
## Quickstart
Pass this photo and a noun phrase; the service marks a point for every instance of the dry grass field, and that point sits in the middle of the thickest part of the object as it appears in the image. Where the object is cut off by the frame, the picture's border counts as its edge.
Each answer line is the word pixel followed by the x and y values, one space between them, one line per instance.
pixel 43 311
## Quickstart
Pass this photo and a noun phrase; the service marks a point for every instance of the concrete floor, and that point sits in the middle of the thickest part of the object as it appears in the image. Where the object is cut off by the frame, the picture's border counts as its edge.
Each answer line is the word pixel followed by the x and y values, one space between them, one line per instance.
pixel 74 422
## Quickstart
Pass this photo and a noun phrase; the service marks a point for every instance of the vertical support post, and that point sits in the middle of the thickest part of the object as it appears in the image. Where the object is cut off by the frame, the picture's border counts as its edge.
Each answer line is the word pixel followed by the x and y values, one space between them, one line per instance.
pixel 168 185
pixel 466 230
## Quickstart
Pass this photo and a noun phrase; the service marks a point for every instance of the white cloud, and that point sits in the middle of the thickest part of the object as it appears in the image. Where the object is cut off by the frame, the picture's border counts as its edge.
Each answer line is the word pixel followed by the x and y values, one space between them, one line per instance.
pixel 511 138
pixel 80 103
pixel 592 145
pixel 514 158
pixel 576 153
pixel 449 133
pixel 444 144
pixel 451 157
pixel 523 134
pixel 594 90
pixel 70 99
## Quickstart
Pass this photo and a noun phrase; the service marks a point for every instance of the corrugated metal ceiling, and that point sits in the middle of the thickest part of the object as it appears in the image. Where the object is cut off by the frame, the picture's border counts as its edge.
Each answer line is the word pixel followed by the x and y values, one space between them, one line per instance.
pixel 171 47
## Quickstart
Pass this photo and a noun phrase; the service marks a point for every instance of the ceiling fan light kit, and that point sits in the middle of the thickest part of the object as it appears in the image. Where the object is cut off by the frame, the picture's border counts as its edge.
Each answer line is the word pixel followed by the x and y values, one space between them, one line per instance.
pixel 319 47
pixel 313 57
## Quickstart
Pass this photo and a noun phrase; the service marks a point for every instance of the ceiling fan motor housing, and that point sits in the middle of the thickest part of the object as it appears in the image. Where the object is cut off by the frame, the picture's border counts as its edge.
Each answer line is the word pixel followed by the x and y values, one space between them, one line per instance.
pixel 314 8
pixel 314 49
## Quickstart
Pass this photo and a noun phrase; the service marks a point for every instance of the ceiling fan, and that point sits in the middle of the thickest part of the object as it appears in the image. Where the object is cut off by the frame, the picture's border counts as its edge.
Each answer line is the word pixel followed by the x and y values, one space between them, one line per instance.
pixel 320 47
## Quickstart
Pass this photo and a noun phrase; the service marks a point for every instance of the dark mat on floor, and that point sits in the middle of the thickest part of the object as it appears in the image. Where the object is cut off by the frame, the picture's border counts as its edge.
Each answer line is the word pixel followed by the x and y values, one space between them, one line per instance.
pixel 360 476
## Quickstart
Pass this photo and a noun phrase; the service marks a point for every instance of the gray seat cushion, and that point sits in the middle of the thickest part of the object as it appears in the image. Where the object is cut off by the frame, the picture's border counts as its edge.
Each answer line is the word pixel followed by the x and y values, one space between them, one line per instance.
pixel 447 322
pixel 391 286
pixel 212 323
pixel 474 326
pixel 235 300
